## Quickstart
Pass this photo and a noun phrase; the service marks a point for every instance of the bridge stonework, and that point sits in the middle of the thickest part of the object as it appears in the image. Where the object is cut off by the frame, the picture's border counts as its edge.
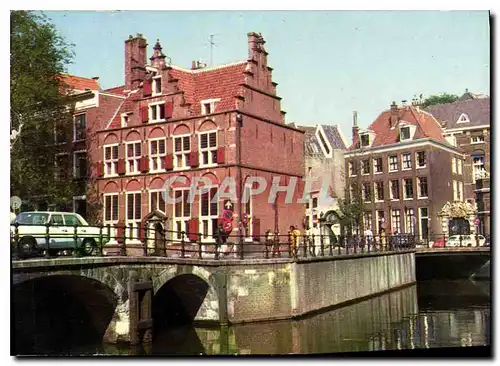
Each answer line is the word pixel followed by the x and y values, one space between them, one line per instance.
pixel 238 290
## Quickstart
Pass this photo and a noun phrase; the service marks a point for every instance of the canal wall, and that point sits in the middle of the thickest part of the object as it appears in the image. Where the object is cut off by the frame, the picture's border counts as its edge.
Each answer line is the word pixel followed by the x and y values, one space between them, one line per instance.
pixel 289 290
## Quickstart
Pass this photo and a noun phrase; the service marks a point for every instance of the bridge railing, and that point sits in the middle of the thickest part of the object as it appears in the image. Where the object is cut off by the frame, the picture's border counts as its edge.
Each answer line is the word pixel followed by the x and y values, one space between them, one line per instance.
pixel 51 240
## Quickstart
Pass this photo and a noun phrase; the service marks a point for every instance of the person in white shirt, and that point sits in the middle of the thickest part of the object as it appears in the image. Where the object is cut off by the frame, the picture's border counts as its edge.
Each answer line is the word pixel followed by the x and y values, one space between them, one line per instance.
pixel 368 234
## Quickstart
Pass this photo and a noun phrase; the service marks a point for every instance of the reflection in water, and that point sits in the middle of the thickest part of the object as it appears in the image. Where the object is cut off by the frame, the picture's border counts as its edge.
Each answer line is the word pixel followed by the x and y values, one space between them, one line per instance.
pixel 429 315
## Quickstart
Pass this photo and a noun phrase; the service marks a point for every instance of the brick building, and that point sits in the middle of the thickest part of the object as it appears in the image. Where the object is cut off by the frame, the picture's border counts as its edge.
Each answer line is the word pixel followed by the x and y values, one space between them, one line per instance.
pixel 90 105
pixel 466 124
pixel 211 122
pixel 406 172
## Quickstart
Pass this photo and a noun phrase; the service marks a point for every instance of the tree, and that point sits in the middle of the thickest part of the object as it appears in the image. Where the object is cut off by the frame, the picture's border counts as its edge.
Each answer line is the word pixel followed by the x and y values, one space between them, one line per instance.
pixel 38 99
pixel 351 207
pixel 439 99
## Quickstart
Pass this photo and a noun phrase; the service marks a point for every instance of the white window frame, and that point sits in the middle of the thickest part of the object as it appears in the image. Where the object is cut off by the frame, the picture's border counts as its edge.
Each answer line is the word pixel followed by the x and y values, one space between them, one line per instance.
pixel 375 190
pixel 112 213
pixel 74 127
pixel 124 119
pixel 375 165
pixel 363 185
pixel 393 221
pixel 352 172
pixel 157 158
pixel 419 191
pixel 209 234
pixel 390 190
pixel 363 164
pixel 136 222
pixel 459 166
pixel 182 220
pixel 154 85
pixel 396 164
pixel 420 218
pixel 75 153
pixel 208 149
pixel 361 135
pixel 460 190
pixel 135 159
pixel 408 161
pixel 110 165
pixel 477 140
pixel 417 162
pixel 404 189
pixel 476 166
pixel 455 190
pixel 157 192
pixel 156 105
pixel 183 154
pixel 368 220
pixel 464 118
pixel 211 102
pixel 454 165
pixel 409 223
pixel 378 218
pixel 401 133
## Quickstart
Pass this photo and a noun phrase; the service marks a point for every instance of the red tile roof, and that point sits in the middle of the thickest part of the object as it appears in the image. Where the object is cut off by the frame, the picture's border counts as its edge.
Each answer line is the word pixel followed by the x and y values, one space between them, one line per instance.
pixel 427 126
pixel 79 83
pixel 222 82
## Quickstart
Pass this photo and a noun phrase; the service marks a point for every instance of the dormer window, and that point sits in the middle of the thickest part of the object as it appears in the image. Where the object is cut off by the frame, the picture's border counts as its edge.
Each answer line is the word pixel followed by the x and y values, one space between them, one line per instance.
pixel 208 106
pixel 365 140
pixel 463 118
pixel 156 85
pixel 405 133
pixel 324 144
pixel 124 119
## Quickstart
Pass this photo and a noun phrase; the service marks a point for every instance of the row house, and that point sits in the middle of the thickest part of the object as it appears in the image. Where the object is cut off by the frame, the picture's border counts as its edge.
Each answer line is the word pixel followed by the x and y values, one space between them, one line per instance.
pixel 324 147
pixel 466 124
pixel 90 105
pixel 203 122
pixel 405 171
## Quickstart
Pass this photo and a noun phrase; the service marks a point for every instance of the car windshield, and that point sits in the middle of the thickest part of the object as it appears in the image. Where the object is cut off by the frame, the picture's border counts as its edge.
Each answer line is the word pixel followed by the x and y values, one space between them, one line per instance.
pixel 32 218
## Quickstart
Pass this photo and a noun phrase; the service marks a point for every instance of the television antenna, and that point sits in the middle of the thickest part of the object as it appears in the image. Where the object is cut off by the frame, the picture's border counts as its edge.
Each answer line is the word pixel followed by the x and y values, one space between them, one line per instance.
pixel 212 44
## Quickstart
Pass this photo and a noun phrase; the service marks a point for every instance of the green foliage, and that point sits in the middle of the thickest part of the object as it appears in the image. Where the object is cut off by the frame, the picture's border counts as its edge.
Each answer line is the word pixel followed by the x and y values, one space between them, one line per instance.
pixel 439 99
pixel 38 102
pixel 351 208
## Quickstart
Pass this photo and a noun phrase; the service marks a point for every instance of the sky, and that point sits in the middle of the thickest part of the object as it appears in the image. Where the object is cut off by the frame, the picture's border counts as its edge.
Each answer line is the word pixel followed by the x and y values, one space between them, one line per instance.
pixel 327 63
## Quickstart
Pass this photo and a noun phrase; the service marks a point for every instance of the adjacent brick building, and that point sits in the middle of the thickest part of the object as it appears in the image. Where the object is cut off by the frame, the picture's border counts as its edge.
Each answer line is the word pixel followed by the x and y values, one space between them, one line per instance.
pixel 406 172
pixel 466 124
pixel 200 122
pixel 91 106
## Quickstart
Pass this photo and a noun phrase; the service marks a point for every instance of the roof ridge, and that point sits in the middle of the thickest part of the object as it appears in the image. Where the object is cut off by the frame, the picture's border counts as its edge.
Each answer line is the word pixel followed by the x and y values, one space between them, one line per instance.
pixel 206 69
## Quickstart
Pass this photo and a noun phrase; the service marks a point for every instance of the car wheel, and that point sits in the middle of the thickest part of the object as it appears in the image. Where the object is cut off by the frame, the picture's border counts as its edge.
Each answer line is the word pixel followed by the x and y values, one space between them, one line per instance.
pixel 89 247
pixel 26 247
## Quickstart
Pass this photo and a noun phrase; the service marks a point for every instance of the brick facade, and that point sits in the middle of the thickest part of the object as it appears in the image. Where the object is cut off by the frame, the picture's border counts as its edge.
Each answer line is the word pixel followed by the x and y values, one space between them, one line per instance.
pixel 244 116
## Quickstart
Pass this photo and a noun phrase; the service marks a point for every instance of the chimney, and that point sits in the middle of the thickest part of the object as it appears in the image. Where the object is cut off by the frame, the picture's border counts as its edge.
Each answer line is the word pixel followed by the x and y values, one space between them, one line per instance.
pixel 355 129
pixel 256 49
pixel 135 61
pixel 193 65
pixel 394 115
pixel 96 78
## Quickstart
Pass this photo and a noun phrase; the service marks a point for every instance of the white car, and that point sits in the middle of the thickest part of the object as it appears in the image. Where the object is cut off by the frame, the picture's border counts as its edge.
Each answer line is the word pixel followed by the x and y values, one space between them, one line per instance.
pixel 32 233
pixel 466 240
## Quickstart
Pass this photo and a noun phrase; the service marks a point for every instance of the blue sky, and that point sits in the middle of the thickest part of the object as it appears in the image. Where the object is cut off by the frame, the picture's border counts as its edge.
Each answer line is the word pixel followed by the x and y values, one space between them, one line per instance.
pixel 326 63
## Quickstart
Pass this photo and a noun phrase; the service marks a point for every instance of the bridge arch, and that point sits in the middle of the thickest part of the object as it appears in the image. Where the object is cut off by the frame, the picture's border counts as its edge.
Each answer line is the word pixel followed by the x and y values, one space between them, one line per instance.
pixel 193 286
pixel 54 311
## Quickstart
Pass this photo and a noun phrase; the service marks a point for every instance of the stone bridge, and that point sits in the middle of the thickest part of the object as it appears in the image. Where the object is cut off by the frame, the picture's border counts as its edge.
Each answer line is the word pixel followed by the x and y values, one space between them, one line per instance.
pixel 455 262
pixel 119 298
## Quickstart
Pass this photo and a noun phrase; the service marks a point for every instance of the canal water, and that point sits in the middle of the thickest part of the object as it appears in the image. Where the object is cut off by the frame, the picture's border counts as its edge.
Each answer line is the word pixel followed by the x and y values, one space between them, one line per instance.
pixel 429 314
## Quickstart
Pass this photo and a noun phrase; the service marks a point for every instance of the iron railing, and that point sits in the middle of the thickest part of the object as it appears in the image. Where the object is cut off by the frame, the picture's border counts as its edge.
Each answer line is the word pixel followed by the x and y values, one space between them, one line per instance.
pixel 29 241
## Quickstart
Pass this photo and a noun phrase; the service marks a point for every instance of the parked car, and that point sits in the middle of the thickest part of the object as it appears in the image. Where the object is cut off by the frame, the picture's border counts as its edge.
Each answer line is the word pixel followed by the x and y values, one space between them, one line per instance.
pixel 32 231
pixel 465 240
pixel 403 241
pixel 440 243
